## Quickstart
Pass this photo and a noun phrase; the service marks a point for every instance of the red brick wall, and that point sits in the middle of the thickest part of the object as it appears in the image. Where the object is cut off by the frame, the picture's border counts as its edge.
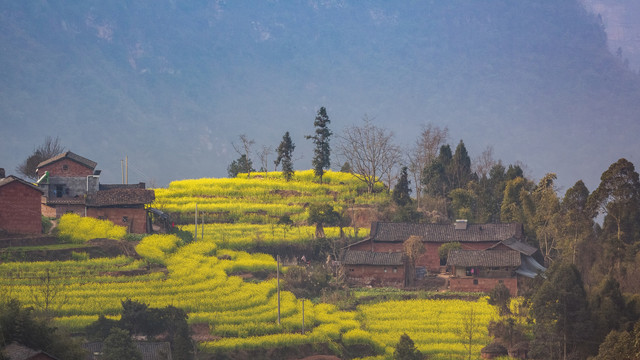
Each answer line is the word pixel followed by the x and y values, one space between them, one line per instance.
pixel 375 275
pixel 20 209
pixel 73 169
pixel 136 218
pixel 484 284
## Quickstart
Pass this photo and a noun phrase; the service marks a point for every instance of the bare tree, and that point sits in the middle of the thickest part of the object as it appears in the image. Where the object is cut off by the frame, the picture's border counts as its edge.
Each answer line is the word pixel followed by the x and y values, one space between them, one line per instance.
pixel 423 153
pixel 483 163
pixel 244 148
pixel 370 151
pixel 46 291
pixel 263 154
pixel 50 148
pixel 413 247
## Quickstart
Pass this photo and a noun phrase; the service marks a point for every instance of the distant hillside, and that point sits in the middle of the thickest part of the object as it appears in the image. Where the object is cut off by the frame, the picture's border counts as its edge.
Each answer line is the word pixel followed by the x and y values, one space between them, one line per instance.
pixel 171 84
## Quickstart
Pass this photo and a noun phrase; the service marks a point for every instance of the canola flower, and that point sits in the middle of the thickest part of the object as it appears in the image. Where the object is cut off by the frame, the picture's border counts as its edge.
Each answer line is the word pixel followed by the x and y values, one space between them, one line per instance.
pixel 80 229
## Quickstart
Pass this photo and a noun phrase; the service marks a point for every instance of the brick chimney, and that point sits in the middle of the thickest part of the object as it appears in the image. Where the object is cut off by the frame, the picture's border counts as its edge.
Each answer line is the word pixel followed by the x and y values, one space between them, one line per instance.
pixel 2 175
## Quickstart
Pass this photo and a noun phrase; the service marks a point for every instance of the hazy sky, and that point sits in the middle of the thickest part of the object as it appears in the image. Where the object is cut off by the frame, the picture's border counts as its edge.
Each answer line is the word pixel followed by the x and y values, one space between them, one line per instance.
pixel 172 84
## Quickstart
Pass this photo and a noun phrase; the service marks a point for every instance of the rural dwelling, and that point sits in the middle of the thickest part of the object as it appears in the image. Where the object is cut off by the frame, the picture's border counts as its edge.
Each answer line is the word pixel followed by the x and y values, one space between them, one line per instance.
pixel 370 268
pixel 71 183
pixel 19 206
pixel 508 262
pixel 488 254
pixel 15 351
pixel 482 270
pixel 389 237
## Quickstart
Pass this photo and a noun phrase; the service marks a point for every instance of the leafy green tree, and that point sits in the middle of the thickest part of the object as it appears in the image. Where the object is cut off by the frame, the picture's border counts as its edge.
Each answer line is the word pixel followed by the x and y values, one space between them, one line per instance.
pixel 561 312
pixel 618 345
pixel 242 165
pixel 436 178
pixel 323 214
pixel 443 250
pixel 119 345
pixel 517 205
pixel 20 324
pixel 285 152
pixel 618 199
pixel 546 218
pixel 322 152
pixel 401 192
pixel 406 349
pixel 576 225
pixel 609 307
pixel 501 298
pixel 464 204
pixel 50 148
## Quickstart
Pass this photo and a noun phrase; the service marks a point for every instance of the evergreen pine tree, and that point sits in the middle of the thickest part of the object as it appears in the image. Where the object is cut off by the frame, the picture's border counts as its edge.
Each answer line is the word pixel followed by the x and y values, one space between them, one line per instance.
pixel 401 191
pixel 285 151
pixel 321 158
pixel 406 349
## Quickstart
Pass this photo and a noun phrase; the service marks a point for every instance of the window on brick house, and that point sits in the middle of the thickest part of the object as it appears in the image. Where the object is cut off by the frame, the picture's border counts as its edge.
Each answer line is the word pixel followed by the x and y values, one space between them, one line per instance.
pixel 395 269
pixel 125 219
pixel 475 281
pixel 65 167
pixel 59 190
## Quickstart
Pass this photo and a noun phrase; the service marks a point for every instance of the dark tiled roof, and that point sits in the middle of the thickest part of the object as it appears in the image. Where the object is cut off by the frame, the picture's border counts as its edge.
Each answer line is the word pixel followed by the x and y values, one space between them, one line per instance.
pixel 483 258
pixel 65 200
pixel 149 350
pixel 15 351
pixel 356 257
pixel 122 186
pixel 399 232
pixel 9 179
pixel 121 196
pixel 518 246
pixel 68 154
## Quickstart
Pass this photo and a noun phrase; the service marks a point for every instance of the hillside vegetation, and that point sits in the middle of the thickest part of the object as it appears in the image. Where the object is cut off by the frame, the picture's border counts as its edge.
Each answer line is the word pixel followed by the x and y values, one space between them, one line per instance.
pixel 201 278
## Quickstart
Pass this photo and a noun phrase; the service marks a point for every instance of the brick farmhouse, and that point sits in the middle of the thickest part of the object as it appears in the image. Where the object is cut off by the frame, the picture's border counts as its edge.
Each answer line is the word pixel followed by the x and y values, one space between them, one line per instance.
pixel 19 206
pixel 489 254
pixel 72 184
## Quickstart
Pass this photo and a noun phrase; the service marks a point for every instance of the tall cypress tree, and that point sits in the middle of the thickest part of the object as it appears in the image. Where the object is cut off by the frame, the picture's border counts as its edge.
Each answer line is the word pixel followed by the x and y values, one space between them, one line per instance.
pixel 321 158
pixel 285 151
pixel 401 191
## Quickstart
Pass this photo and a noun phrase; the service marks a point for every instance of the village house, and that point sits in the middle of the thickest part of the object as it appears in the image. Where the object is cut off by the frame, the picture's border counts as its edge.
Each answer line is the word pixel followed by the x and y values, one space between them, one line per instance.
pixel 71 183
pixel 19 206
pixel 489 254
pixel 374 268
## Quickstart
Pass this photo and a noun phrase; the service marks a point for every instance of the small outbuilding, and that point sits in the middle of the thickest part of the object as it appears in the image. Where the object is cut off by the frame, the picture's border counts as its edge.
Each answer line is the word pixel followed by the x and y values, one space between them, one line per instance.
pixel 370 268
pixel 19 206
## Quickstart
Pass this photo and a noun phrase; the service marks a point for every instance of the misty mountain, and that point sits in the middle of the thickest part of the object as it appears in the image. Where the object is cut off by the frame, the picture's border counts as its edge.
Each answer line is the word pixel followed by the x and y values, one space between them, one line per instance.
pixel 171 84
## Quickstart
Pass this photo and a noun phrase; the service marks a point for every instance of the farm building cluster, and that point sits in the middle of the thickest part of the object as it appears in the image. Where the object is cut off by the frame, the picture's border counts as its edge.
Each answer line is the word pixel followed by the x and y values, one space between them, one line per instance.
pixel 70 183
pixel 486 255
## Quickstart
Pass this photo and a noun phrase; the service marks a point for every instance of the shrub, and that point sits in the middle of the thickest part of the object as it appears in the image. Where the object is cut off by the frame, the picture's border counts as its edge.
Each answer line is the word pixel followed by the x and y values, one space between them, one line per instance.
pixel 77 229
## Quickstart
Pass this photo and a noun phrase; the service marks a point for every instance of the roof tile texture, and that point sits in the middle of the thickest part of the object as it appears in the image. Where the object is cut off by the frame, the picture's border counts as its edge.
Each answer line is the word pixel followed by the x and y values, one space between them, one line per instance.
pixel 399 232
pixel 357 257
pixel 483 258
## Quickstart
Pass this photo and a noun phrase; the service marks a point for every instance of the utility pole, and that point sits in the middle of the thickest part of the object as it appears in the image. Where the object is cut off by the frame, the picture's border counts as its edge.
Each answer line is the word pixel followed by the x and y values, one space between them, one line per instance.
pixel 302 316
pixel 195 237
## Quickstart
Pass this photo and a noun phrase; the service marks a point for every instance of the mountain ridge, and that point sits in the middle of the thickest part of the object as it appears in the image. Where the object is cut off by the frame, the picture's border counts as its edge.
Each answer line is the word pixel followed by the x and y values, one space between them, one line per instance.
pixel 173 85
